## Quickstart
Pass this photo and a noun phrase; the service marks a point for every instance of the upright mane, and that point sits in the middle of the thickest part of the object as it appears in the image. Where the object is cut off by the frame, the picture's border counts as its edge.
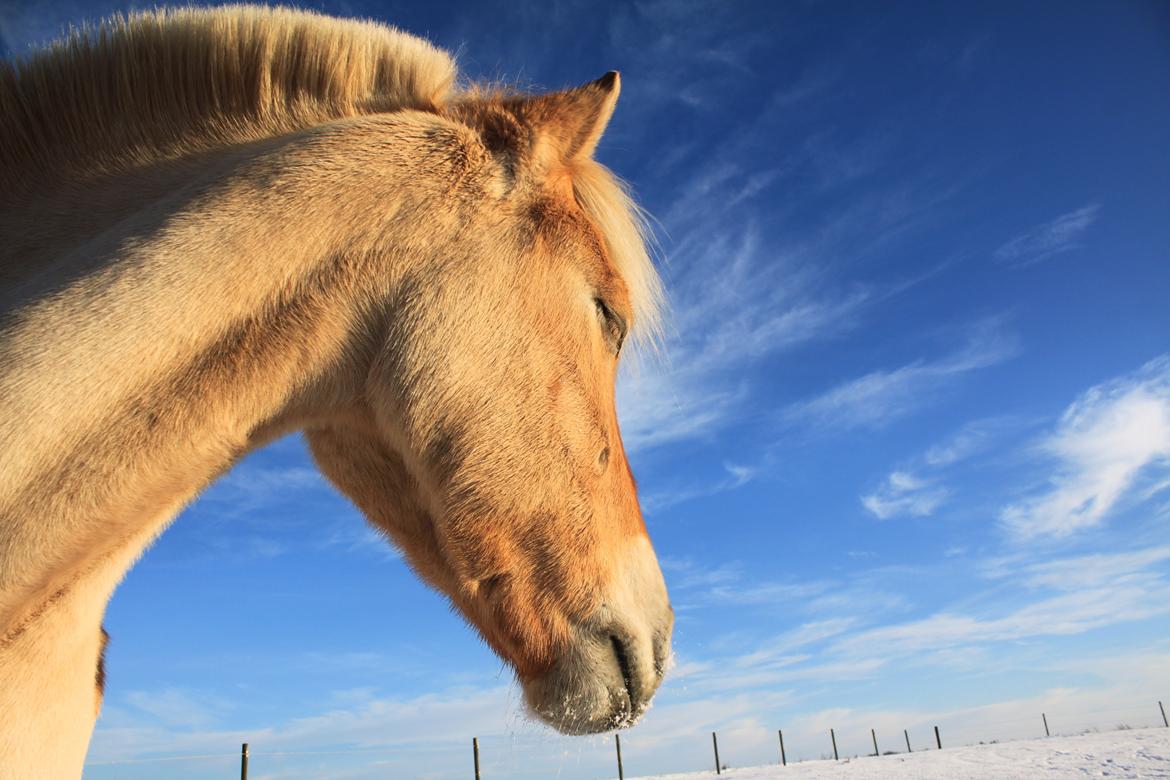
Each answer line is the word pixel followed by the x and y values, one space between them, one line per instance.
pixel 159 84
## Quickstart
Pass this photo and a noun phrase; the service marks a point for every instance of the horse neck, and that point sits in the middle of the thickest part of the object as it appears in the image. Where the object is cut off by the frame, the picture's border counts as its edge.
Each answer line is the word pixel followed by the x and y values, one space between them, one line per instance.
pixel 173 343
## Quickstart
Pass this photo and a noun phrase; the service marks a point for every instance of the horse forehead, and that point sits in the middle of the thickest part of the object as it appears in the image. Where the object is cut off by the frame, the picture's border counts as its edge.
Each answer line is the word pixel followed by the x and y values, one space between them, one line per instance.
pixel 567 231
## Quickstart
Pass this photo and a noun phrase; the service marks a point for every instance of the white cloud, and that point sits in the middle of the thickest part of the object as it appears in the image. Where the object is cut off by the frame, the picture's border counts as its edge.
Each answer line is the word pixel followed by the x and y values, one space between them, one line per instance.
pixel 1102 445
pixel 427 723
pixel 692 582
pixel 775 594
pixel 1051 238
pixel 175 707
pixel 686 573
pixel 736 476
pixel 744 694
pixel 972 438
pixel 904 494
pixel 748 285
pixel 795 639
pixel 1122 587
pixel 254 489
pixel 1094 570
pixel 730 585
pixel 879 397
pixel 854 645
pixel 1065 614
pixel 1050 598
pixel 734 304
pixel 913 489
pixel 356 535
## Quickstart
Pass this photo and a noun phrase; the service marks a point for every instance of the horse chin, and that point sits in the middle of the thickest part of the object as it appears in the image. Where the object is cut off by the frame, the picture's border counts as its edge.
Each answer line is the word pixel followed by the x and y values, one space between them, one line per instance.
pixel 590 689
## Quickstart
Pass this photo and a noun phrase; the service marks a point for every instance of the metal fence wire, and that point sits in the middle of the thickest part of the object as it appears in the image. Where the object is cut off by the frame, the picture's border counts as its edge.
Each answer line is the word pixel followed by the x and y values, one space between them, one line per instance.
pixel 837 745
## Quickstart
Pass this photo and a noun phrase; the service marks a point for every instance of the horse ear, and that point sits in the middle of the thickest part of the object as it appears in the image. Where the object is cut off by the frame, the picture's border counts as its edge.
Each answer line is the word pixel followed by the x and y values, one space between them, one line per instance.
pixel 575 119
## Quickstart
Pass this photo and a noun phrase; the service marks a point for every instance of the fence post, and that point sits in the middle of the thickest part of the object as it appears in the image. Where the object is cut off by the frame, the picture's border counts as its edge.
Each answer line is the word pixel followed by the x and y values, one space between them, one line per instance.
pixel 937 739
pixel 715 744
pixel 783 758
pixel 244 761
pixel 617 740
pixel 1165 722
pixel 906 734
pixel 873 734
pixel 1045 717
pixel 833 736
pixel 475 755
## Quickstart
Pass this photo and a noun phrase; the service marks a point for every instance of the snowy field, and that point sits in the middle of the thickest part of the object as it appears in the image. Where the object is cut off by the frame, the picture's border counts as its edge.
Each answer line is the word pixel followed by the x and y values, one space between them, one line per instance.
pixel 1140 753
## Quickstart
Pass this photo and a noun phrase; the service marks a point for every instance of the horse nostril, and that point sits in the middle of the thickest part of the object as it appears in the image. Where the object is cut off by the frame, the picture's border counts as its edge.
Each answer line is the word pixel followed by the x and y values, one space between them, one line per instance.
pixel 623 662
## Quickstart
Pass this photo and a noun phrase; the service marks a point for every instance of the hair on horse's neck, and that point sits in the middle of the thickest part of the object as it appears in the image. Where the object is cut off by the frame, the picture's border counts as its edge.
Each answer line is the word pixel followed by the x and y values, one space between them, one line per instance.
pixel 153 86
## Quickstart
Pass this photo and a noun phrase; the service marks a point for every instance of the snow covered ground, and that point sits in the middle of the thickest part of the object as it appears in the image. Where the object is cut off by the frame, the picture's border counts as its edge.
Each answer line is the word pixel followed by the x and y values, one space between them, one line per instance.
pixel 1140 753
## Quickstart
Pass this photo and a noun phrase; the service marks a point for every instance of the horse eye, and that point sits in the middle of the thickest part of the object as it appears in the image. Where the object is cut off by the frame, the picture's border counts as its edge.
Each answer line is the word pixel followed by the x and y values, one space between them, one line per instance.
pixel 613 325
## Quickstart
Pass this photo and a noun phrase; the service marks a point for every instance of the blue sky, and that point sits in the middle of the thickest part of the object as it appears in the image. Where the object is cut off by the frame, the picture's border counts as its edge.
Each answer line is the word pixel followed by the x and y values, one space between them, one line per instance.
pixel 906 456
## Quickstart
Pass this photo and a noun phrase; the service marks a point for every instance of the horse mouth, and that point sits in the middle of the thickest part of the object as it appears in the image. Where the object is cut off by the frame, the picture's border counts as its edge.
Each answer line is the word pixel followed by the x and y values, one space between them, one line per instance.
pixel 604 681
pixel 629 683
pixel 611 663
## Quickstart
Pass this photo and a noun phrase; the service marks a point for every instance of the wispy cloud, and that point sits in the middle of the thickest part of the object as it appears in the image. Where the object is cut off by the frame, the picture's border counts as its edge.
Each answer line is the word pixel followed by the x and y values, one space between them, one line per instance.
pixel 176 707
pixel 1050 597
pixel 1129 591
pixel 733 307
pixel 904 494
pixel 750 278
pixel 916 488
pixel 727 583
pixel 681 62
pixel 388 722
pixel 1033 601
pixel 969 440
pixel 361 537
pixel 835 164
pixel 1051 238
pixel 741 689
pixel 796 639
pixel 687 573
pixel 736 476
pixel 1107 439
pixel 1070 574
pixel 730 585
pixel 250 488
pixel 876 398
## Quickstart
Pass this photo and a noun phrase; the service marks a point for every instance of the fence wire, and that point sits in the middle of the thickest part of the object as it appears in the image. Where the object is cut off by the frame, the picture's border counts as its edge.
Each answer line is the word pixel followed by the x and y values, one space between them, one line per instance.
pixel 802 744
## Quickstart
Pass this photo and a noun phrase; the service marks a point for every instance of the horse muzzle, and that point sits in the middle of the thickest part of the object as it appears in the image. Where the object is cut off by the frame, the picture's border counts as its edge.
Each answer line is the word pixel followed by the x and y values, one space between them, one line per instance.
pixel 615 661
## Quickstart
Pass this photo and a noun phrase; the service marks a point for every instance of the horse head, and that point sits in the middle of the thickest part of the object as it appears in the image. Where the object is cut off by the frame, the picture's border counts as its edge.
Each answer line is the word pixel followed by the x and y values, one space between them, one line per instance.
pixel 487 446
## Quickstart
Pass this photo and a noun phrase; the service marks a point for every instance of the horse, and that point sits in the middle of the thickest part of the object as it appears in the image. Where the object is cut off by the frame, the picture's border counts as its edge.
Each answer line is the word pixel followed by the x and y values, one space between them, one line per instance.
pixel 223 226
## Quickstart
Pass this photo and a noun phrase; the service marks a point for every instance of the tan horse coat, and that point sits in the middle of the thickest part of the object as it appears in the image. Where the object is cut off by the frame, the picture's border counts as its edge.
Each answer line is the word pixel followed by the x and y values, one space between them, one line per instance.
pixel 220 226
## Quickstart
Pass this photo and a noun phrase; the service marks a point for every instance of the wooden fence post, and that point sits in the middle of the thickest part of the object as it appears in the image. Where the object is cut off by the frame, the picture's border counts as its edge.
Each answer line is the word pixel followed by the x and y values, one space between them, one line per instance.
pixel 617 740
pixel 1165 722
pixel 833 736
pixel 783 758
pixel 906 734
pixel 1045 717
pixel 475 755
pixel 873 734
pixel 937 739
pixel 715 744
pixel 244 761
